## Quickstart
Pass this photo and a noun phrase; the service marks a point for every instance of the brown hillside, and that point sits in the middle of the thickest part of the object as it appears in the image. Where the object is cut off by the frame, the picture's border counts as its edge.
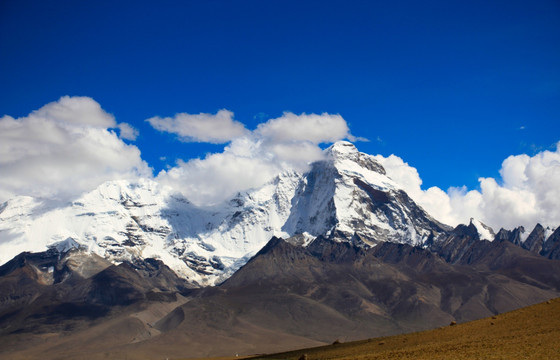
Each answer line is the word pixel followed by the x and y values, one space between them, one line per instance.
pixel 528 333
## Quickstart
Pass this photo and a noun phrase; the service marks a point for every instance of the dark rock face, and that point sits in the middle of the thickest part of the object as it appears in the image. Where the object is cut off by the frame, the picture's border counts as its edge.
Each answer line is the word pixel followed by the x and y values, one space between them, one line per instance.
pixel 535 240
pixel 513 236
pixel 49 291
pixel 376 196
pixel 460 241
pixel 551 247
pixel 328 249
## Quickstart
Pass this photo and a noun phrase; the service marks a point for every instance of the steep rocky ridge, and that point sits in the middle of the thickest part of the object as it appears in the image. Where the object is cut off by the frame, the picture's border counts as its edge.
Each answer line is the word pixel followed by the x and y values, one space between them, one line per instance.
pixel 287 296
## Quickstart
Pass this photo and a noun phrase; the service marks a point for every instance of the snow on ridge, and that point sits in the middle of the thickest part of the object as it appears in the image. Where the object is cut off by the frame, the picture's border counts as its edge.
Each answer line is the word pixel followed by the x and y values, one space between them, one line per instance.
pixel 65 245
pixel 485 232
pixel 341 149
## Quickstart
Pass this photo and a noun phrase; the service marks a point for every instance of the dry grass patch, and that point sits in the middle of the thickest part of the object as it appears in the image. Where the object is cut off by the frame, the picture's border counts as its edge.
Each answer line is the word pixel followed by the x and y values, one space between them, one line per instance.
pixel 528 333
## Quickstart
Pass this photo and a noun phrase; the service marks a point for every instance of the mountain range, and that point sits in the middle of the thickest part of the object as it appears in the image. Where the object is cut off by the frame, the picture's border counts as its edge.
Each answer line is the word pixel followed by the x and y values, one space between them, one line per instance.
pixel 338 252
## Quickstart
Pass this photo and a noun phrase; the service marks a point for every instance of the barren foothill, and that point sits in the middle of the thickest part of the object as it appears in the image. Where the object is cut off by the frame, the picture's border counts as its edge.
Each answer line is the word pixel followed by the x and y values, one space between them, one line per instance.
pixel 527 333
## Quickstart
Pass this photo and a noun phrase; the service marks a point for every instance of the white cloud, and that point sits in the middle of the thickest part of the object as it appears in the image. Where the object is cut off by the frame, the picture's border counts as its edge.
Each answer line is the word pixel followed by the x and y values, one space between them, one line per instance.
pixel 530 190
pixel 218 176
pixel 64 148
pixel 77 110
pixel 289 142
pixel 434 200
pixel 216 128
pixel 528 193
pixel 67 147
pixel 324 128
pixel 127 132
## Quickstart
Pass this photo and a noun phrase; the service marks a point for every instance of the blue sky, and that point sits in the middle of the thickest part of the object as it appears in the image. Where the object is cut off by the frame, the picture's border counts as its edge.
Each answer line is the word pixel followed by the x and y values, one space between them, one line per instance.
pixel 451 87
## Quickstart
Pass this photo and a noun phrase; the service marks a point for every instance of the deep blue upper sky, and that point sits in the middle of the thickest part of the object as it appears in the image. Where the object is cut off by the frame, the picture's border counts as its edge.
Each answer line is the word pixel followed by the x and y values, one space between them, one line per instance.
pixel 451 87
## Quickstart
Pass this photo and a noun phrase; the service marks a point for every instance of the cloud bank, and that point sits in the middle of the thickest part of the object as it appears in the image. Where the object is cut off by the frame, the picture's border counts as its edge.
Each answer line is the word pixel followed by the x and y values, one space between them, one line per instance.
pixel 219 128
pixel 71 146
pixel 63 149
pixel 526 194
pixel 252 158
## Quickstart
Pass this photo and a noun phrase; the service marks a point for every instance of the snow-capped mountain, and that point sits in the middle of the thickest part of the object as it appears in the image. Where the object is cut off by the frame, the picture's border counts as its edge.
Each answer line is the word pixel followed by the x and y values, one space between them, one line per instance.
pixel 122 221
pixel 347 197
pixel 338 249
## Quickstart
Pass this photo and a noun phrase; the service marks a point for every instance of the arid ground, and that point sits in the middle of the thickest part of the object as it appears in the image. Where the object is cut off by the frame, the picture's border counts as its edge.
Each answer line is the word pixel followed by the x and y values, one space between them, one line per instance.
pixel 528 333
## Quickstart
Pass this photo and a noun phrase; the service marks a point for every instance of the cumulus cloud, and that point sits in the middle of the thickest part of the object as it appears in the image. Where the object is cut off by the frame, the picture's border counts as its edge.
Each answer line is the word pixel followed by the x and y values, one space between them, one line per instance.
pixel 526 194
pixel 218 176
pixel 77 110
pixel 216 128
pixel 64 148
pixel 127 132
pixel 71 145
pixel 289 142
pixel 434 200
pixel 313 128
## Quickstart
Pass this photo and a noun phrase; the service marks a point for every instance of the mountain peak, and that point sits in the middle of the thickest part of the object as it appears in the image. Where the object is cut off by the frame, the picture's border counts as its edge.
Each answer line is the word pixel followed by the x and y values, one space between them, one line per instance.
pixel 342 148
pixel 342 151
pixel 345 156
pixel 485 232
pixel 123 189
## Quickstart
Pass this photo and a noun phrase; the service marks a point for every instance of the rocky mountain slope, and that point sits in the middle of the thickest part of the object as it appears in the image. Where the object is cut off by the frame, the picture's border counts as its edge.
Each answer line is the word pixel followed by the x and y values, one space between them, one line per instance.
pixel 287 296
